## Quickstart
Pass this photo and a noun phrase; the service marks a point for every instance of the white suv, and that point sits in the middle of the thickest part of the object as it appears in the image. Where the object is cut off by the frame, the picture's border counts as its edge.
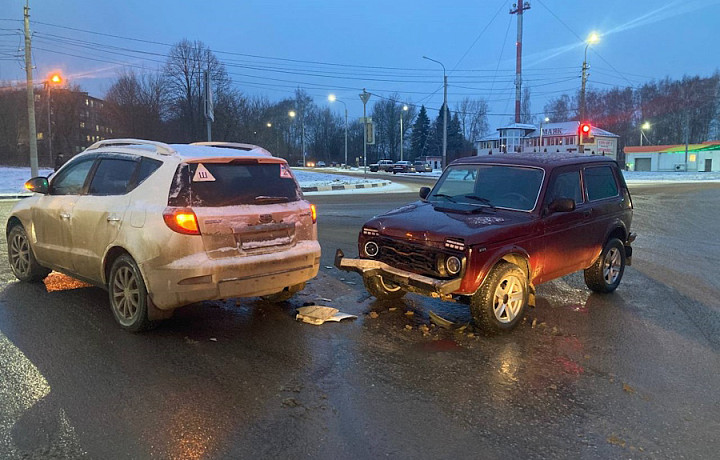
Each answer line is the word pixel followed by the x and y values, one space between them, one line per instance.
pixel 161 226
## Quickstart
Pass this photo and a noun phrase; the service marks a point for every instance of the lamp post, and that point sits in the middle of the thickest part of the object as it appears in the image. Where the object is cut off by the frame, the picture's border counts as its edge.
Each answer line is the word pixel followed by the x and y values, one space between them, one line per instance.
pixel 444 109
pixel 643 127
pixel 593 38
pixel 546 119
pixel 402 133
pixel 332 98
pixel 364 97
pixel 54 79
pixel 293 114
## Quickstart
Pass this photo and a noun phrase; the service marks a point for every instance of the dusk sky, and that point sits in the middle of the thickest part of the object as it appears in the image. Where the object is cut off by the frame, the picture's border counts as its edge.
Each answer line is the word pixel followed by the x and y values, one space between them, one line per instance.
pixel 271 47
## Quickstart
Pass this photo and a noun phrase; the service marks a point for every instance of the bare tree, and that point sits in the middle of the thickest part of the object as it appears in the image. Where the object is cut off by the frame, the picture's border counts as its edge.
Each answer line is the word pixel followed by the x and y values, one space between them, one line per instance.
pixel 473 118
pixel 136 105
pixel 526 115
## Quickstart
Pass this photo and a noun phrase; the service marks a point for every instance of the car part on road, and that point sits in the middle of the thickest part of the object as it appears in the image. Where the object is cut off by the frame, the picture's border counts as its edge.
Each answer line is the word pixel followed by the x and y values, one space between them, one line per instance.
pixel 22 260
pixel 318 314
pixel 605 274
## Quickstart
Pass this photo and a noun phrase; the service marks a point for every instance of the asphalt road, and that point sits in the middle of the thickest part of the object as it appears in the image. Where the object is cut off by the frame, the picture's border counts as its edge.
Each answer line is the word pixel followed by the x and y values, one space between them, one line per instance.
pixel 628 375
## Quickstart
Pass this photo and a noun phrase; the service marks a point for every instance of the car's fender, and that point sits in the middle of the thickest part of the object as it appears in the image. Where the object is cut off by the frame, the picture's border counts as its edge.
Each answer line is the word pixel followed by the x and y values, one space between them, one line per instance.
pixel 483 260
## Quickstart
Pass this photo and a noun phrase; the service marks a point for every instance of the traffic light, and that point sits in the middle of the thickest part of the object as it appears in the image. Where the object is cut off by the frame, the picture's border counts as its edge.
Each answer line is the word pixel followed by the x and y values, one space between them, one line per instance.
pixel 585 129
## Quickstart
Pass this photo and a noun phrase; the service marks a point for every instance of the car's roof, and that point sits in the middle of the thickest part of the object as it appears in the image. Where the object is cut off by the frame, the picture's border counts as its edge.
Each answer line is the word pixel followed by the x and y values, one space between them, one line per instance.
pixel 542 160
pixel 201 151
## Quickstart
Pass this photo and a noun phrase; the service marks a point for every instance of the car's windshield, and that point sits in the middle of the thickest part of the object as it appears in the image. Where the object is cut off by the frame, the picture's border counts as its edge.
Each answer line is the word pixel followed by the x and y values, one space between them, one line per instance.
pixel 499 186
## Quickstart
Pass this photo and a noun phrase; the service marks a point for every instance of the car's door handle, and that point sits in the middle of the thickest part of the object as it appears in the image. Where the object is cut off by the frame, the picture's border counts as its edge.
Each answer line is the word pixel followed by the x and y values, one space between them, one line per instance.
pixel 64 215
pixel 113 219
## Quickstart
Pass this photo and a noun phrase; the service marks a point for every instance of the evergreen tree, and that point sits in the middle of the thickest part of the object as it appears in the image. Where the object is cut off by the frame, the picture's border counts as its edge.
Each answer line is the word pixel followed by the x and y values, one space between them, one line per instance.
pixel 455 139
pixel 420 133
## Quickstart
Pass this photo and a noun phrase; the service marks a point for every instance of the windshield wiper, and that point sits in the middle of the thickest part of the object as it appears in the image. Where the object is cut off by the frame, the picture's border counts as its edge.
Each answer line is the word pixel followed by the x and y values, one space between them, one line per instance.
pixel 448 197
pixel 481 200
pixel 267 199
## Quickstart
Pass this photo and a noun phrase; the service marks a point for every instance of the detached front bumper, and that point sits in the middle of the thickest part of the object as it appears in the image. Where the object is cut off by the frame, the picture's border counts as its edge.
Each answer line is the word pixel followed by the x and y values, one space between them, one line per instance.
pixel 408 280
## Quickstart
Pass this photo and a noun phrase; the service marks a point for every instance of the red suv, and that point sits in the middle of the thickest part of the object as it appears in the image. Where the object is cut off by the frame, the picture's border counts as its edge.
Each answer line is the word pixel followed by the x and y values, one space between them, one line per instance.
pixel 493 228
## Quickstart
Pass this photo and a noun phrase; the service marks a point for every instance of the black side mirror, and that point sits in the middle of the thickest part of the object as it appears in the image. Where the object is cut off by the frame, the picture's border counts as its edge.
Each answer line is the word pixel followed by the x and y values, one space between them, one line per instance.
pixel 424 192
pixel 562 205
pixel 38 185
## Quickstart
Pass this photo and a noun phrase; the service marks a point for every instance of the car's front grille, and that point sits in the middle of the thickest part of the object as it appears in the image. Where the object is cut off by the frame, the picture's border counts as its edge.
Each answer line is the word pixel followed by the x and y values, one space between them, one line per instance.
pixel 415 258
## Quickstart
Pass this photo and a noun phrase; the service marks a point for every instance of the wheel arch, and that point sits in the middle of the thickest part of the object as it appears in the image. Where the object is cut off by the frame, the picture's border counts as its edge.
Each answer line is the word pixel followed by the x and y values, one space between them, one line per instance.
pixel 617 230
pixel 111 256
pixel 513 255
pixel 11 223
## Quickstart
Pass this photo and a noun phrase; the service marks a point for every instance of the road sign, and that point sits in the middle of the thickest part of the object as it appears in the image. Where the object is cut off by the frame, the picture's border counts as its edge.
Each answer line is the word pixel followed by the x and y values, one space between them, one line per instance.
pixel 370 133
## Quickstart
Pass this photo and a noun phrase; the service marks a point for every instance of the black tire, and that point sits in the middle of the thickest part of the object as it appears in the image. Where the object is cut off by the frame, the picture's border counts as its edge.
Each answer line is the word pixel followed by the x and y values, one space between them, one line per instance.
pixel 606 272
pixel 500 303
pixel 128 295
pixel 283 295
pixel 383 290
pixel 22 259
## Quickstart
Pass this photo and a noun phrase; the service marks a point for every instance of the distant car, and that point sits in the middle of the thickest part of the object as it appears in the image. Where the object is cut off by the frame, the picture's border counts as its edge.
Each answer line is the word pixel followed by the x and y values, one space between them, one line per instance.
pixel 494 227
pixel 161 226
pixel 403 167
pixel 320 164
pixel 422 166
pixel 382 165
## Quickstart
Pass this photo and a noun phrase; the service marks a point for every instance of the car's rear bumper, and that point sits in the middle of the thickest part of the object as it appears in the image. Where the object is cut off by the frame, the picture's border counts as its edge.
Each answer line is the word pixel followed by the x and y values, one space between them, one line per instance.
pixel 197 278
pixel 407 280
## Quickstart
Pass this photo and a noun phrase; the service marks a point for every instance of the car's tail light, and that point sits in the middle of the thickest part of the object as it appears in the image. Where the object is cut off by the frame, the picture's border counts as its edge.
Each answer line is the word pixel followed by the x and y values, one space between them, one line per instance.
pixel 313 213
pixel 181 220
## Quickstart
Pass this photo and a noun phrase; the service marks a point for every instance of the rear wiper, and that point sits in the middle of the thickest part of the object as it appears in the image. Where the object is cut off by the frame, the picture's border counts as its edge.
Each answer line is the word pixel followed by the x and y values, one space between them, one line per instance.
pixel 448 197
pixel 276 199
pixel 480 199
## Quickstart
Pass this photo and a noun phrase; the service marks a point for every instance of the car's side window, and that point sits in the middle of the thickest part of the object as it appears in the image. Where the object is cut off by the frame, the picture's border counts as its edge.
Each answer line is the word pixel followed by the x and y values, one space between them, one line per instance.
pixel 566 185
pixel 145 170
pixel 600 183
pixel 71 180
pixel 112 176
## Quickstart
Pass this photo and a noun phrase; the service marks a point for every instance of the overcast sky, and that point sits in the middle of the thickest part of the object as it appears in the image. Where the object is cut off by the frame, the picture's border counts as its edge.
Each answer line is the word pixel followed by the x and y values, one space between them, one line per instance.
pixel 271 47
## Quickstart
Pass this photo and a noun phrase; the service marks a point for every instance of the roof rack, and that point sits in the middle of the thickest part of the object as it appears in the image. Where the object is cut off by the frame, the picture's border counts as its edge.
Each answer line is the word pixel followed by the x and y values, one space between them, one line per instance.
pixel 160 147
pixel 234 145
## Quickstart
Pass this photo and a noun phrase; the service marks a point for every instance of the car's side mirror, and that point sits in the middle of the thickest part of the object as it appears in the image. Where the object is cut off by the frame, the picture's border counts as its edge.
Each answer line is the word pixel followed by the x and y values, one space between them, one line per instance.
pixel 424 192
pixel 562 205
pixel 38 185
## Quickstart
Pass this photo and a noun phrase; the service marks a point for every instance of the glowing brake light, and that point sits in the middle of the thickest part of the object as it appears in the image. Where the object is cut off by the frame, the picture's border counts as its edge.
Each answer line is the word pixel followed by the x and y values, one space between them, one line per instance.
pixel 313 213
pixel 181 220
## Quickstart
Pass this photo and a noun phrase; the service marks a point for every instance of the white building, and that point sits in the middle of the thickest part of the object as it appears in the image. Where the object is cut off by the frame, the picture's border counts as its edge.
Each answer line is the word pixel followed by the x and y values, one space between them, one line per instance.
pixel 555 138
pixel 699 157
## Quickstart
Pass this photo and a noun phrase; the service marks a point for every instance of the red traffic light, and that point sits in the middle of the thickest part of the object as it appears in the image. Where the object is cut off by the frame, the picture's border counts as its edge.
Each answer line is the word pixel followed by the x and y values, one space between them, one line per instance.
pixel 585 129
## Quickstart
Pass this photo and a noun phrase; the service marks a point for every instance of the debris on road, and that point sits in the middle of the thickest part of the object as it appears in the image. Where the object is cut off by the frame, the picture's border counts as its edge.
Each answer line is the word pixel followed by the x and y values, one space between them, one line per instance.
pixel 373 314
pixel 440 321
pixel 317 315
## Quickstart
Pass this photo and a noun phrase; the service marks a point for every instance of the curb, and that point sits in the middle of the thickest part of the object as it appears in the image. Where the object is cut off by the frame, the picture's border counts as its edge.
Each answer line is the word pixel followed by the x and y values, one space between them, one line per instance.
pixel 14 196
pixel 331 188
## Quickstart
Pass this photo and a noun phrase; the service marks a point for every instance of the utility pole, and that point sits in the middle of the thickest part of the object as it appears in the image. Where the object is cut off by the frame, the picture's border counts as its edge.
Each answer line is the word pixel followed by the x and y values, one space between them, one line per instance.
pixel 32 131
pixel 518 9
pixel 445 111
pixel 364 97
pixel 209 107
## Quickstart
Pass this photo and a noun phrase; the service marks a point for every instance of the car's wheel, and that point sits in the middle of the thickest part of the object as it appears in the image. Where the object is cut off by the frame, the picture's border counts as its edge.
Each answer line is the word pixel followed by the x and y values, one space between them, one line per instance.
pixel 128 295
pixel 606 272
pixel 499 304
pixel 381 289
pixel 284 295
pixel 22 260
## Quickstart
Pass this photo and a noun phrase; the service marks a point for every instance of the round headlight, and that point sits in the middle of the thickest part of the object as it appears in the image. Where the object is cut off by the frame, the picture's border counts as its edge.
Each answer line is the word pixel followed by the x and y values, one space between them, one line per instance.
pixel 371 249
pixel 453 265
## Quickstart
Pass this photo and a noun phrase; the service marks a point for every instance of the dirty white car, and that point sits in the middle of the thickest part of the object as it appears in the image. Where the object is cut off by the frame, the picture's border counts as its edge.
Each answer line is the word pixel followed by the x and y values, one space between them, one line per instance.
pixel 161 226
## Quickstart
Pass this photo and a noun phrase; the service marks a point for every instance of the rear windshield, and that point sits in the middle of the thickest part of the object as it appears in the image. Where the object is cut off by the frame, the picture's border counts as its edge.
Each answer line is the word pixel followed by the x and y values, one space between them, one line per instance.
pixel 230 184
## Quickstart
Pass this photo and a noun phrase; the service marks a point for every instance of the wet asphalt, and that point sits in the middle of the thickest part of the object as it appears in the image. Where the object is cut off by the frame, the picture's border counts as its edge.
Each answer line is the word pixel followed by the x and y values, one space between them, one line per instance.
pixel 634 374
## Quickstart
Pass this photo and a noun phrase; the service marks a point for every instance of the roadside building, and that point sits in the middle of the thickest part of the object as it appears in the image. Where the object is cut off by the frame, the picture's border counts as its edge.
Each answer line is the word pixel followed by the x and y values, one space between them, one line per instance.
pixel 435 161
pixel 703 157
pixel 555 138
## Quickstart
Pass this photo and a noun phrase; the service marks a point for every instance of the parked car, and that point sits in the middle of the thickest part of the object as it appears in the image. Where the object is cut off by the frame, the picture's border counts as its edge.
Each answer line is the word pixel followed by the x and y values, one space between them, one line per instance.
pixel 493 228
pixel 403 167
pixel 422 166
pixel 161 226
pixel 382 165
pixel 320 164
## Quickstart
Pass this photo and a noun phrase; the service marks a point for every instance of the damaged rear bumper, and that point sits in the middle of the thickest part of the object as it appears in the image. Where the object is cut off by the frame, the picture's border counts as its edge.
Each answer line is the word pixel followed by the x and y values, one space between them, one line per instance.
pixel 408 280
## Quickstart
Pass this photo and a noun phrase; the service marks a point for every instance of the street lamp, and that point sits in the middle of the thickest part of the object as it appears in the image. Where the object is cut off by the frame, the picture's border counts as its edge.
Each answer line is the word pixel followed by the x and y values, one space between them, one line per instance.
pixel 332 98
pixel 444 109
pixel 546 119
pixel 402 133
pixel 592 38
pixel 53 79
pixel 293 114
pixel 365 97
pixel 643 127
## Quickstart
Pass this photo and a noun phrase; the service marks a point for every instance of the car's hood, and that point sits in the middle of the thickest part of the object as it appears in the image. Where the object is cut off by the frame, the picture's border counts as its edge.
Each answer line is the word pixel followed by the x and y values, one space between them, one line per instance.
pixel 424 222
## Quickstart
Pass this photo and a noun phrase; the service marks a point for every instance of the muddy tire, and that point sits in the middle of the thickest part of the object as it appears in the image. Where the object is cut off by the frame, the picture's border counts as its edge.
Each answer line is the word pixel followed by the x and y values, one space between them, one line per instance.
pixel 128 295
pixel 501 301
pixel 381 289
pixel 283 295
pixel 22 259
pixel 606 272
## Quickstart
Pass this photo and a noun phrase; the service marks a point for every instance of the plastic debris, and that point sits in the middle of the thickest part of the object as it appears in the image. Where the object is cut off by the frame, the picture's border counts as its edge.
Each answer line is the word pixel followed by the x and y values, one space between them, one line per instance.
pixel 318 314
pixel 440 321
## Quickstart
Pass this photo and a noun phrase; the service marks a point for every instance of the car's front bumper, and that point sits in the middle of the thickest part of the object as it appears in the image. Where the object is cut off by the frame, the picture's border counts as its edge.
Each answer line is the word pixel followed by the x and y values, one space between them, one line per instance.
pixel 407 280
